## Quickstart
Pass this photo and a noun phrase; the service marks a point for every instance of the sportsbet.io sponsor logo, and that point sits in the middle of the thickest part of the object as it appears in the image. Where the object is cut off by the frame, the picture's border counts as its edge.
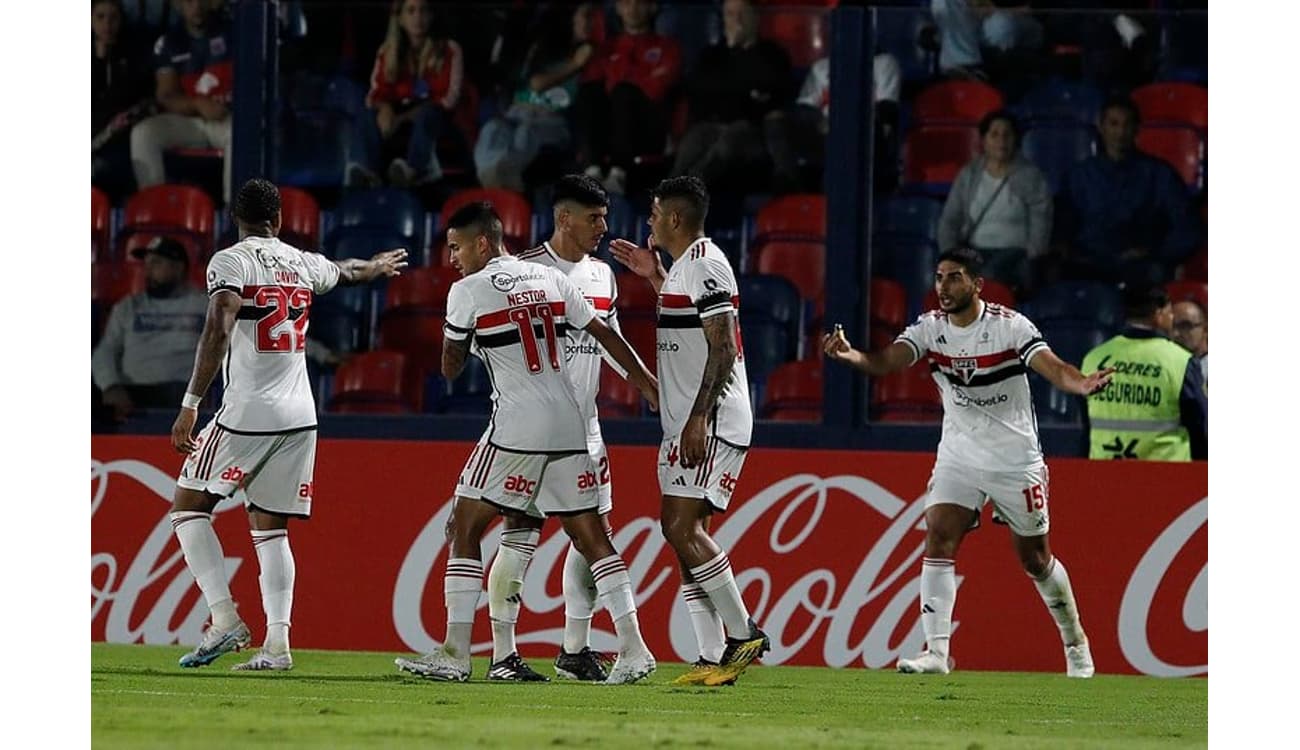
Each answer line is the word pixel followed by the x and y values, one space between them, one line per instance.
pixel 962 398
pixel 504 282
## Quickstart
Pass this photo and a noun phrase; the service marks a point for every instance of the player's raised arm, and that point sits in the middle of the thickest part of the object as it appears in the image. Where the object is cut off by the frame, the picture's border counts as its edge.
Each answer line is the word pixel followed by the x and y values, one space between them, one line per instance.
pixel 897 356
pixel 642 261
pixel 1067 377
pixel 357 271
pixel 223 311
pixel 617 347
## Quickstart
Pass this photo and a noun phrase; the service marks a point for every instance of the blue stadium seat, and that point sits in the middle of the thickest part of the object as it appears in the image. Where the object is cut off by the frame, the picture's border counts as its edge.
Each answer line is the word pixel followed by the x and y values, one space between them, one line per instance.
pixel 1071 340
pixel 1079 302
pixel 769 299
pixel 908 216
pixel 910 262
pixel 767 345
pixel 363 242
pixel 1060 101
pixel 1056 149
pixel 335 327
pixel 471 392
pixel 1053 405
pixel 384 210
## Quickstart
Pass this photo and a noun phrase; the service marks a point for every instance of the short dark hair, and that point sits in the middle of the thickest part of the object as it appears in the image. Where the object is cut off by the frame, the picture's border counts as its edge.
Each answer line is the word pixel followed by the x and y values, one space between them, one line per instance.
pixel 1124 103
pixel 258 201
pixel 1005 115
pixel 1142 300
pixel 691 190
pixel 482 217
pixel 967 258
pixel 581 189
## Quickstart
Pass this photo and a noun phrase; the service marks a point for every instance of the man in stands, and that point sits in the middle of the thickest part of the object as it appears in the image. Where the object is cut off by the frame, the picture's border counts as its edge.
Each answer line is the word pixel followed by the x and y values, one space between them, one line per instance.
pixel 263 439
pixel 1191 328
pixel 979 354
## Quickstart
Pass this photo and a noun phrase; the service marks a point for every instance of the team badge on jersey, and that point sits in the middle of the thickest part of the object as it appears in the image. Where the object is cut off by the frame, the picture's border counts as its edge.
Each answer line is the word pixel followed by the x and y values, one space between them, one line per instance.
pixel 965 368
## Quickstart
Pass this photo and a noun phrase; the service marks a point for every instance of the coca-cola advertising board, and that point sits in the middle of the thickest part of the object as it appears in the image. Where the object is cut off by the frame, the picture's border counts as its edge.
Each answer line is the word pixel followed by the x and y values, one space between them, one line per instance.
pixel 826 546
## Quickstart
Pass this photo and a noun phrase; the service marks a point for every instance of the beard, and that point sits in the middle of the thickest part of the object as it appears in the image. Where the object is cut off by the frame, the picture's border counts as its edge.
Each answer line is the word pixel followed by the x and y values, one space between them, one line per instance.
pixel 960 304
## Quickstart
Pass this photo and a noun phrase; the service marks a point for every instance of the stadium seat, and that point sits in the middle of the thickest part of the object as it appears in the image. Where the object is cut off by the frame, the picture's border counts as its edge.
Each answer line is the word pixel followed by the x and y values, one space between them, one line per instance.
pixel 636 298
pixel 419 290
pixel 416 334
pixel 618 399
pixel 1182 147
pixel 1071 339
pixel 381 211
pixel 336 328
pixel 1061 103
pixel 101 211
pixel 911 264
pixel 803 263
pixel 1189 289
pixel 910 395
pixel 112 280
pixel 766 345
pixel 1083 302
pixel 1055 149
pixel 1174 103
pixel 934 154
pixel 1053 405
pixel 363 242
pixel 140 240
pixel 954 102
pixel 300 215
pixel 888 311
pixel 766 298
pixel 994 291
pixel 908 216
pixel 376 382
pixel 515 212
pixel 471 392
pixel 803 33
pixel 173 210
pixel 791 217
pixel 793 392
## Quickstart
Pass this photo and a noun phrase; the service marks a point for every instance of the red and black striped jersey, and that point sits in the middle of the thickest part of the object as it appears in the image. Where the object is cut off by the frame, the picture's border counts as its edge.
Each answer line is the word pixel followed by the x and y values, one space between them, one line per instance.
pixel 982 373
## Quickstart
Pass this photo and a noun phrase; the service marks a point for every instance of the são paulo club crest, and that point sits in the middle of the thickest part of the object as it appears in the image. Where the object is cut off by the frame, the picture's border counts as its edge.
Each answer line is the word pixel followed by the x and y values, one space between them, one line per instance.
pixel 965 368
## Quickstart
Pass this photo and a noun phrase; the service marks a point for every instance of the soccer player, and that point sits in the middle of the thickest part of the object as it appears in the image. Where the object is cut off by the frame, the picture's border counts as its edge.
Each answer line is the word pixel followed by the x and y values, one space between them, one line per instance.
pixel 978 354
pixel 580 210
pixel 514 316
pixel 263 438
pixel 706 418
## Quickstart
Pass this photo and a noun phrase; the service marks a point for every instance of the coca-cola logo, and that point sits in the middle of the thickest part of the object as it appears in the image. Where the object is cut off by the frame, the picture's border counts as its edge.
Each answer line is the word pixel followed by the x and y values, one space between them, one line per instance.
pixel 138 584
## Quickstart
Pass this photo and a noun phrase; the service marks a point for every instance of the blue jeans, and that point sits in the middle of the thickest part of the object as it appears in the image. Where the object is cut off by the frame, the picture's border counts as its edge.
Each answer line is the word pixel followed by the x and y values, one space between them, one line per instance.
pixel 508 144
pixel 961 33
pixel 415 141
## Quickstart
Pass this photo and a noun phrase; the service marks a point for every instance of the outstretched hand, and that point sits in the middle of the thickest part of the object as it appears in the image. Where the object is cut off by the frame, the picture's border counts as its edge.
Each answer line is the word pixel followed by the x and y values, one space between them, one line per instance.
pixel 642 261
pixel 390 262
pixel 836 346
pixel 1095 382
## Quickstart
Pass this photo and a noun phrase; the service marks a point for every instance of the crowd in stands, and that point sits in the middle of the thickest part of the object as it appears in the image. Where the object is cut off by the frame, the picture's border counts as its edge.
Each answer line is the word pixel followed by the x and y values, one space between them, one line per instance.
pixel 1069 148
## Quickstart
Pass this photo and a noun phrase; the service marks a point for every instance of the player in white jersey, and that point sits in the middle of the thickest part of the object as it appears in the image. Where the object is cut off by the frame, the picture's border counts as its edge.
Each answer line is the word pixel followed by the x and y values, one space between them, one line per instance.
pixel 514 315
pixel 580 210
pixel 263 438
pixel 706 417
pixel 979 354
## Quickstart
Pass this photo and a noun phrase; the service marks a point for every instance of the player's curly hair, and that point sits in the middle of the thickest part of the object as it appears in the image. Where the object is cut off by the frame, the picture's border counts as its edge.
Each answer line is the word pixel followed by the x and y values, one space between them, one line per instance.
pixel 482 217
pixel 691 191
pixel 581 189
pixel 257 202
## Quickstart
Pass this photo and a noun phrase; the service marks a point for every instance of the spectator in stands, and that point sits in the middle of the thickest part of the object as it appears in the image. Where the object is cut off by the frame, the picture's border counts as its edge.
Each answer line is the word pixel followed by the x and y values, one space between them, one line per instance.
pixel 121 95
pixel 145 356
pixel 1124 215
pixel 193 76
pixel 1000 204
pixel 734 86
pixel 796 136
pixel 1191 328
pixel 414 88
pixel 972 30
pixel 536 119
pixel 622 108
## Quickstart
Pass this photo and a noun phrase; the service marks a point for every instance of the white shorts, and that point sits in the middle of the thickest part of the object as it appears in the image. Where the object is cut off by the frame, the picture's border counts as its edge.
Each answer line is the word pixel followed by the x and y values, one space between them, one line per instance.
pixel 512 481
pixel 712 481
pixel 554 484
pixel 275 471
pixel 1019 497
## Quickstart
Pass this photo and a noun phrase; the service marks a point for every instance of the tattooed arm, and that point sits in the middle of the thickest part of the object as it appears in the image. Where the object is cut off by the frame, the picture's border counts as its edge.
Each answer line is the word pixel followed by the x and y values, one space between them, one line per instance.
pixel 720 333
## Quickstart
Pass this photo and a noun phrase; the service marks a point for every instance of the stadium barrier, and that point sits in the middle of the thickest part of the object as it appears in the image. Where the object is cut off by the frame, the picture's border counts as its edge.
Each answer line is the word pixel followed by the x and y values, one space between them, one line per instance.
pixel 826 545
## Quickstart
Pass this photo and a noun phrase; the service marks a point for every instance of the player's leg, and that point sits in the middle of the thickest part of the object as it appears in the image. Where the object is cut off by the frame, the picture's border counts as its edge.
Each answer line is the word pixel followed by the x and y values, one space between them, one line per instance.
pixel 705 620
pixel 505 580
pixel 277 571
pixel 577 660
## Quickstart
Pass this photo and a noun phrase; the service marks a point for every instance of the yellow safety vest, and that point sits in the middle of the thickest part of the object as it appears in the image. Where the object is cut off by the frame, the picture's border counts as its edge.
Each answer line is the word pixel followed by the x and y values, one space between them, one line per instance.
pixel 1137 416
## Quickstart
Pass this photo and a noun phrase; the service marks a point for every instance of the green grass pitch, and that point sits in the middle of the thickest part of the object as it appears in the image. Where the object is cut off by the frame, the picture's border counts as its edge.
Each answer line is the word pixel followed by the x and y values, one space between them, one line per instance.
pixel 140 698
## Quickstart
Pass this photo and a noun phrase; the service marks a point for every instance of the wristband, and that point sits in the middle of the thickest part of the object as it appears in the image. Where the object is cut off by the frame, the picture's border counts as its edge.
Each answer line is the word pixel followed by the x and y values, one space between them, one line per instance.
pixel 191 401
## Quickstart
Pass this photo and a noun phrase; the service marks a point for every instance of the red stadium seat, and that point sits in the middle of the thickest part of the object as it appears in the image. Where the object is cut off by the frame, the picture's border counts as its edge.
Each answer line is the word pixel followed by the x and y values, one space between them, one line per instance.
pixel 907 396
pixel 172 210
pixel 420 290
pixel 888 311
pixel 617 398
pixel 377 382
pixel 956 102
pixel 794 392
pixel 101 211
pixel 1174 102
pixel 994 291
pixel 418 335
pixel 803 263
pixel 636 298
pixel 1181 147
pixel 1189 289
pixel 802 33
pixel 936 153
pixel 515 212
pixel 111 281
pixel 198 265
pixel 301 218
pixel 793 216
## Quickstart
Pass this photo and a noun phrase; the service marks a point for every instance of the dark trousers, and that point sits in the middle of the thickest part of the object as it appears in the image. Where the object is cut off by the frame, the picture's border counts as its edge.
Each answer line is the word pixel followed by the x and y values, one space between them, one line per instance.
pixel 618 125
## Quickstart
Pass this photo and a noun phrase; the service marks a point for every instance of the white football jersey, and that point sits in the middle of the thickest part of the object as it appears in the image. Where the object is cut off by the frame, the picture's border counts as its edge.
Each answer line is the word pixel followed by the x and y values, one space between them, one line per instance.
pixel 265 369
pixel 518 314
pixel 982 373
pixel 699 286
pixel 582 353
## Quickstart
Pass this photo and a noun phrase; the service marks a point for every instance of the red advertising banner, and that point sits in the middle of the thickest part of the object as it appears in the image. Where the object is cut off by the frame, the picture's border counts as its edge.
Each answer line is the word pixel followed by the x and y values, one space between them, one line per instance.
pixel 825 544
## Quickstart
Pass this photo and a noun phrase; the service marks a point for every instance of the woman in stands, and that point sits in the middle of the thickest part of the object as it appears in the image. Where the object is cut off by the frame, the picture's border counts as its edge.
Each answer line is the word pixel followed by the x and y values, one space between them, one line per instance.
pixel 1000 204
pixel 414 88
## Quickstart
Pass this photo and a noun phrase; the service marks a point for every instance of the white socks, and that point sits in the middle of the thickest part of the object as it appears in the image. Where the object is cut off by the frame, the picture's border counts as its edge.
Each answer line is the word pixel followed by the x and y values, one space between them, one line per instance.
pixel 579 601
pixel 705 620
pixel 461 586
pixel 505 581
pixel 615 590
pixel 207 563
pixel 938 595
pixel 715 579
pixel 1055 589
pixel 275 560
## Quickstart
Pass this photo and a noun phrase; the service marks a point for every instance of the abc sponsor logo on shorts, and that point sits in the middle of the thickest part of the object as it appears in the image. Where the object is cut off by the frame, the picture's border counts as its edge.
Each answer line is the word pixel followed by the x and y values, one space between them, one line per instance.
pixel 668 346
pixel 727 483
pixel 962 398
pixel 520 484
pixel 233 474
pixel 587 481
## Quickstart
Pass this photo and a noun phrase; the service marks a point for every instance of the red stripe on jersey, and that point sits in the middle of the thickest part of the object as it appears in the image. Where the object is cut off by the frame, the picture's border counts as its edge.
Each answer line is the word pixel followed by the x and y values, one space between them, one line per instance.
pixel 981 361
pixel 682 301
pixel 501 317
pixel 250 290
pixel 600 303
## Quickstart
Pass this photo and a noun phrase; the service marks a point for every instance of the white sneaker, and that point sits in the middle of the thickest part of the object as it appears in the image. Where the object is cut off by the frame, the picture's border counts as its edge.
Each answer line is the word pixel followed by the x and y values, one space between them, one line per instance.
pixel 217 642
pixel 1078 661
pixel 927 662
pixel 437 665
pixel 616 181
pixel 629 669
pixel 265 661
